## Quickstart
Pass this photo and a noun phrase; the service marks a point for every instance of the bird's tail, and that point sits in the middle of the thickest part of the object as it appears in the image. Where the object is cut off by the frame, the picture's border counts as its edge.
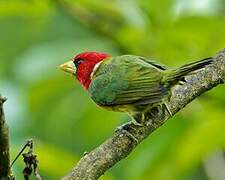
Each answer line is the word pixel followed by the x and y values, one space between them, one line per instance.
pixel 174 76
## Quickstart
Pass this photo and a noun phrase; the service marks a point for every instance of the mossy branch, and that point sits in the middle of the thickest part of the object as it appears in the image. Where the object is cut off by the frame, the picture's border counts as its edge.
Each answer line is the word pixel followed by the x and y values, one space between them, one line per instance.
pixel 120 145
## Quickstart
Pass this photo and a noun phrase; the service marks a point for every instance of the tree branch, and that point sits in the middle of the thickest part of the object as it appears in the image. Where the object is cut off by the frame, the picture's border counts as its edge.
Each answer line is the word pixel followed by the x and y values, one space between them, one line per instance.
pixel 121 144
pixel 4 144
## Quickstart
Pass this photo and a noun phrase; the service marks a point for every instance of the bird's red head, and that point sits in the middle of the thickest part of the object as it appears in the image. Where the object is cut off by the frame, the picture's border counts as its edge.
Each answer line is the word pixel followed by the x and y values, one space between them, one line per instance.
pixel 83 65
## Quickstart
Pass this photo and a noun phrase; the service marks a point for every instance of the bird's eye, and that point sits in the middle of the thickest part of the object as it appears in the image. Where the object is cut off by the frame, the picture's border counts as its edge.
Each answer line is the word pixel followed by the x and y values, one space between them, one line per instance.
pixel 77 62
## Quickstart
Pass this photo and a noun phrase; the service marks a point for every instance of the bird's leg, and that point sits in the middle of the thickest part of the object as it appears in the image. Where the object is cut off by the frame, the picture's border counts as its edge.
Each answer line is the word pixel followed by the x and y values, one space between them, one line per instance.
pixel 139 119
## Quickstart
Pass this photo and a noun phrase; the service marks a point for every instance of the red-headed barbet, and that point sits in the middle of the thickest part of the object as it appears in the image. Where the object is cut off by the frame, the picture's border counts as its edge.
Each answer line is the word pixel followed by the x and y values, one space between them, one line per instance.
pixel 128 83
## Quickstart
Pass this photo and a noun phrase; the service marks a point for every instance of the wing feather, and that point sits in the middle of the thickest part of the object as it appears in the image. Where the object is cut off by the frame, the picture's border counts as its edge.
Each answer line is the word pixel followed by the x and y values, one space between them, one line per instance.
pixel 129 80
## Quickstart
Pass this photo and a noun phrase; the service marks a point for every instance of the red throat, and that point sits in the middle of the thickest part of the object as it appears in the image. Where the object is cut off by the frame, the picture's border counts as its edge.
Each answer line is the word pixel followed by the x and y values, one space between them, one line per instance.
pixel 86 67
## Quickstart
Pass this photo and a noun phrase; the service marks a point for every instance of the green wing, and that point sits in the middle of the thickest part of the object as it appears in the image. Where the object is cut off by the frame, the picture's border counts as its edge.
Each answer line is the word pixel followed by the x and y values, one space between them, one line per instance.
pixel 126 80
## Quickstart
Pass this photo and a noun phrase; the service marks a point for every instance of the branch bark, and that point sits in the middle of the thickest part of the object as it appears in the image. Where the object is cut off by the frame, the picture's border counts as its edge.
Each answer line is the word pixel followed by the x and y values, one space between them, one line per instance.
pixel 4 144
pixel 120 145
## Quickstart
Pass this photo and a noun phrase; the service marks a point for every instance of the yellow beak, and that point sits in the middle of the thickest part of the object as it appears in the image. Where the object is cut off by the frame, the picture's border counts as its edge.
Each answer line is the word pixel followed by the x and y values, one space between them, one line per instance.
pixel 68 67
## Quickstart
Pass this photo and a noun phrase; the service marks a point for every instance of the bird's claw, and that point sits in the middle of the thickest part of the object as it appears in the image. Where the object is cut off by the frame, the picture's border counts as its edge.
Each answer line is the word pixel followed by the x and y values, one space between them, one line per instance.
pixel 124 128
pixel 168 109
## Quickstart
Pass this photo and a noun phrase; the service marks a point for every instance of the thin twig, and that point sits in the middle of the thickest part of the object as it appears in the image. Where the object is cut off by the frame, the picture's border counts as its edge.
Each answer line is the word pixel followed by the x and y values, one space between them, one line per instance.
pixel 29 143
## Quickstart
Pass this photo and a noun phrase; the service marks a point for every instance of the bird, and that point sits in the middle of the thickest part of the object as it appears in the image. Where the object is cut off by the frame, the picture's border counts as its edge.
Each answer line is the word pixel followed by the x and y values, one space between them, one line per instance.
pixel 128 83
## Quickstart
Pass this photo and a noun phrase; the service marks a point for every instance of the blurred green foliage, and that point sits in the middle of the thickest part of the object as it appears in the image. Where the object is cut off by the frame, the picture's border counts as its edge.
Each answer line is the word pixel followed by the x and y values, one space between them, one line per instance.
pixel 49 106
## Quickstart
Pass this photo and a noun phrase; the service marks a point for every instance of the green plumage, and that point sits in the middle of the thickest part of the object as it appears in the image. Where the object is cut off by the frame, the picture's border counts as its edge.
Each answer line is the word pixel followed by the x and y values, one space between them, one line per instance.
pixel 133 84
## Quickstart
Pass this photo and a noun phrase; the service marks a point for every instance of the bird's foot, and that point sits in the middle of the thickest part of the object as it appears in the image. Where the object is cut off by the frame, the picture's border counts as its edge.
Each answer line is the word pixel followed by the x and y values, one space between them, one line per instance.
pixel 139 119
pixel 125 128
pixel 129 125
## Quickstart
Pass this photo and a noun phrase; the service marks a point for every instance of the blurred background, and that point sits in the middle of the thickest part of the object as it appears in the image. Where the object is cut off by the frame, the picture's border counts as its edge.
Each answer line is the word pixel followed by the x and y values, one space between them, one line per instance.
pixel 49 106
